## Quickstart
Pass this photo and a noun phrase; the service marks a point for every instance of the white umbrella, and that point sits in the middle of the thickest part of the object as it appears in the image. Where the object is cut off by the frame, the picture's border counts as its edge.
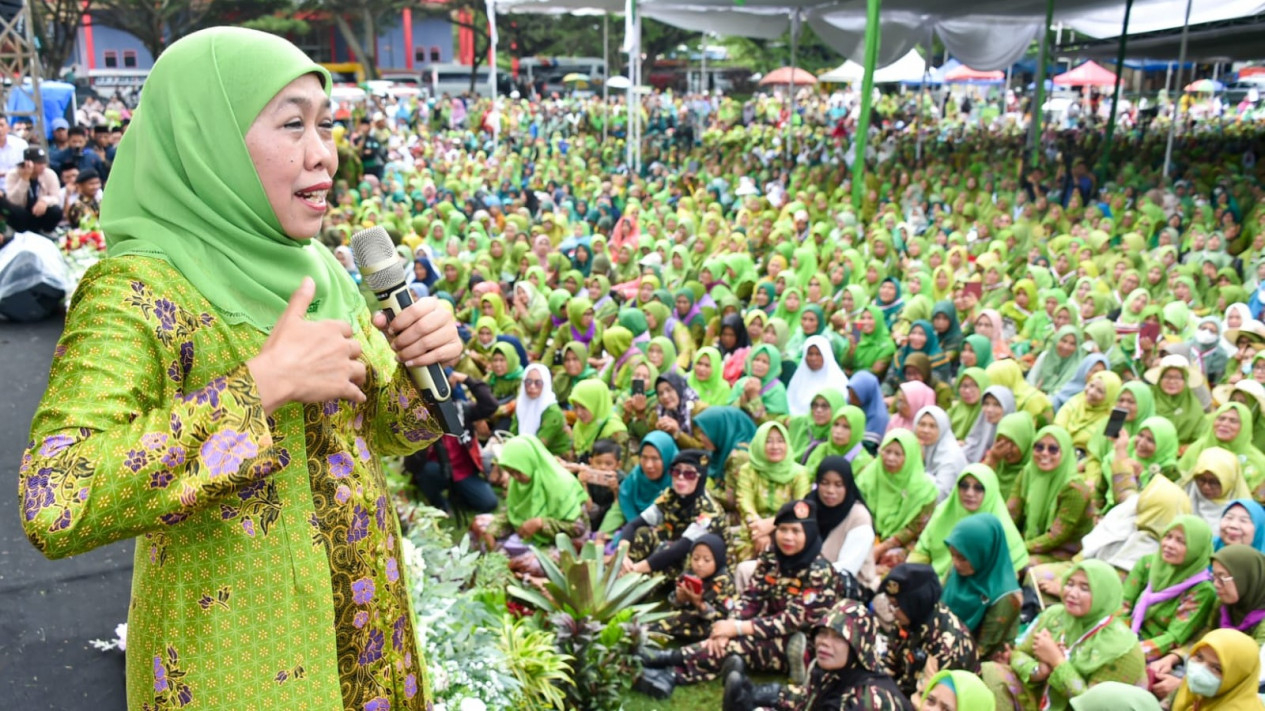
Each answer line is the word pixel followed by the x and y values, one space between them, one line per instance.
pixel 618 82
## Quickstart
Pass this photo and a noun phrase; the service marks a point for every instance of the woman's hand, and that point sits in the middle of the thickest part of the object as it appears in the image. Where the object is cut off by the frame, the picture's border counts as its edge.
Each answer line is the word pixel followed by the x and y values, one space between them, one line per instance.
pixel 684 594
pixel 668 425
pixel 308 361
pixel 1050 586
pixel 1165 685
pixel 1046 650
pixel 530 528
pixel 750 389
pixel 1164 665
pixel 760 527
pixel 422 334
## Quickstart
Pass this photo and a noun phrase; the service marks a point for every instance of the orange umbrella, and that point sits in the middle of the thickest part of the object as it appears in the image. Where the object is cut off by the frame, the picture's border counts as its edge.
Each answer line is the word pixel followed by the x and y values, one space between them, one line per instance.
pixel 788 75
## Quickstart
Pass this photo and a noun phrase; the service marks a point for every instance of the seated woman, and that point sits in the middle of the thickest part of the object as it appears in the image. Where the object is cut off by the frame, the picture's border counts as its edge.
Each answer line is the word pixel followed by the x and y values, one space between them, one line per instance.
pixel 541 501
pixel 844 521
pixel 1231 430
pixel 1173 383
pixel 942 456
pixel 1238 576
pixel 971 384
pixel 812 430
pixel 693 612
pixel 1169 595
pixel 926 628
pixel 957 691
pixel 1071 646
pixel 1214 481
pixel 505 380
pixel 976 491
pixel 899 494
pixel 1134 461
pixel 1223 673
pixel 816 372
pixel 1011 451
pixel 1242 522
pixel 733 343
pixel 864 392
pixel 848 673
pixel 676 407
pixel 920 341
pixel 760 393
pixel 995 403
pixel 792 591
pixel 536 412
pixel 725 433
pixel 983 589
pixel 1086 413
pixel 636 399
pixel 846 439
pixel 1050 500
pixel 911 398
pixel 871 347
pixel 1007 373
pixel 707 378
pixel 917 369
pixel 643 485
pixel 661 538
pixel 575 368
pixel 768 479
pixel 594 419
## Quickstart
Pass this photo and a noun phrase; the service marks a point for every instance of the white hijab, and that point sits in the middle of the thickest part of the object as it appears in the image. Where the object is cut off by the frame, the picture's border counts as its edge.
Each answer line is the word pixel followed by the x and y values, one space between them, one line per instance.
pixel 943 460
pixel 528 410
pixel 982 434
pixel 806 383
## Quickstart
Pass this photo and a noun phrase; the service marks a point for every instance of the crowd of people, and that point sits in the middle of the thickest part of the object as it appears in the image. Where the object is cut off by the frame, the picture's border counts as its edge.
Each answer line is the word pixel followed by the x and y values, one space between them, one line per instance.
pixel 995 438
pixel 992 438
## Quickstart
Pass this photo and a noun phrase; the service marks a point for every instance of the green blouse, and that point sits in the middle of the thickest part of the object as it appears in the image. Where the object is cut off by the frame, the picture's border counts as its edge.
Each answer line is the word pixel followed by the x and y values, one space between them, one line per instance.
pixel 269 557
pixel 1175 622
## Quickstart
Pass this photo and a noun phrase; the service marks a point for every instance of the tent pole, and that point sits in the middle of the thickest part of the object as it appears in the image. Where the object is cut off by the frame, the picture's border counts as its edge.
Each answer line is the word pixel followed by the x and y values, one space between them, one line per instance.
pixel 922 97
pixel 702 78
pixel 1177 104
pixel 606 74
pixel 862 136
pixel 1115 97
pixel 492 42
pixel 790 88
pixel 1039 99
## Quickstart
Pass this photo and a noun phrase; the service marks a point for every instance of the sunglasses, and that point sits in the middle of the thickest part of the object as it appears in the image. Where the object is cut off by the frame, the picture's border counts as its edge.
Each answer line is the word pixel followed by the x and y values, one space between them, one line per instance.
pixel 685 473
pixel 968 486
pixel 1051 448
pixel 535 383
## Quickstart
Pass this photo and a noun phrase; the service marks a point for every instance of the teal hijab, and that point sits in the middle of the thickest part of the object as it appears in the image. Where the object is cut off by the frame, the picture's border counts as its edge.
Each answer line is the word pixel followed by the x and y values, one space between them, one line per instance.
pixel 186 191
pixel 981 539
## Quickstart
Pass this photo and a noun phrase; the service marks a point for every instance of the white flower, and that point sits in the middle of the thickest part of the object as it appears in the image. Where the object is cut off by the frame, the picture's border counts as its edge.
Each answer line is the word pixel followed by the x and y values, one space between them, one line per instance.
pixel 473 705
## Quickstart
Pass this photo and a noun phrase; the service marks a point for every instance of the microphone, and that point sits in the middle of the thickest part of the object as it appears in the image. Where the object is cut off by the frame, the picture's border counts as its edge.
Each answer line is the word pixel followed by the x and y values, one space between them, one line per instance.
pixel 381 270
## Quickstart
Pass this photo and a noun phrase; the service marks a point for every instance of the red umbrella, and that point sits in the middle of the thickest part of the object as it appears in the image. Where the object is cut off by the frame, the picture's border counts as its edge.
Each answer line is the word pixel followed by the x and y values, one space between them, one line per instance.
pixel 1090 73
pixel 965 73
pixel 788 75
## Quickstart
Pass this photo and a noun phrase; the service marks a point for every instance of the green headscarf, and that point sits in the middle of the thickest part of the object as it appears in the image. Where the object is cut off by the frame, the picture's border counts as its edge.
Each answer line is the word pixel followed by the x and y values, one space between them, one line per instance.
pixel 895 499
pixel 595 397
pixel 804 432
pixel 1056 370
pixel 983 349
pixel 1040 490
pixel 552 493
pixel 1184 409
pixel 777 472
pixel 985 542
pixel 189 194
pixel 961 415
pixel 876 346
pixel 1107 645
pixel 970 691
pixel 934 539
pixel 1198 553
pixel 855 417
pixel 715 390
pixel 772 391
pixel 514 365
pixel 1251 460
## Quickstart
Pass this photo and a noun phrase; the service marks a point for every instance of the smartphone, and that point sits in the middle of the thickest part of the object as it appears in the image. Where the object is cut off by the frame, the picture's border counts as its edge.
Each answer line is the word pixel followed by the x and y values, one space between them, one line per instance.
pixel 856 333
pixel 693 582
pixel 1115 423
pixel 558 355
pixel 638 386
pixel 1149 331
pixel 975 288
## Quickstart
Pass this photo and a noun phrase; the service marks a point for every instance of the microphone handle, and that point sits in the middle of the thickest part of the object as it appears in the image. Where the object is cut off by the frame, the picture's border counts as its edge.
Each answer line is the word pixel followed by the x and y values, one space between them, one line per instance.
pixel 430 380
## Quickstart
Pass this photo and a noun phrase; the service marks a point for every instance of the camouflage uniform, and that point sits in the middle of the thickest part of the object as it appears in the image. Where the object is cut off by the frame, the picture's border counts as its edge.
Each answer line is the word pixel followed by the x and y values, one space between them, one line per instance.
pixel 942 636
pixel 779 606
pixel 688 623
pixel 668 521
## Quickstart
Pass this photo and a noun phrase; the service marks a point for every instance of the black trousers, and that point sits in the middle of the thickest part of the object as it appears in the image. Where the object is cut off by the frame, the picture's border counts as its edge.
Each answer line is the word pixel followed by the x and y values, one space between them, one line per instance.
pixel 22 220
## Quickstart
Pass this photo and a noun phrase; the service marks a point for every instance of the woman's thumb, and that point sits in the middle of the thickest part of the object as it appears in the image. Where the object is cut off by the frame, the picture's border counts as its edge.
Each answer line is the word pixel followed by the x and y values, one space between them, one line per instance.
pixel 300 300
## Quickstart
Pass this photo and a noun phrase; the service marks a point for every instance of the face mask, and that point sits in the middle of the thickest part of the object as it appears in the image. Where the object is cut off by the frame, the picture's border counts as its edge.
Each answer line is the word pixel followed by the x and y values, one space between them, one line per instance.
pixel 1201 680
pixel 1206 338
pixel 1246 368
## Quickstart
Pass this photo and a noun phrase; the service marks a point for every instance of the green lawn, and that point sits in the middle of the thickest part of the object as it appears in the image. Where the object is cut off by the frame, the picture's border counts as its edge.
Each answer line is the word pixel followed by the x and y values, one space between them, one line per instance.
pixel 685 698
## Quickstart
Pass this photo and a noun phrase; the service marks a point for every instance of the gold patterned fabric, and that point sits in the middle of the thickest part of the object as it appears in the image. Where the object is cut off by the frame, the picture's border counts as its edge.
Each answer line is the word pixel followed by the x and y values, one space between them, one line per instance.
pixel 268 570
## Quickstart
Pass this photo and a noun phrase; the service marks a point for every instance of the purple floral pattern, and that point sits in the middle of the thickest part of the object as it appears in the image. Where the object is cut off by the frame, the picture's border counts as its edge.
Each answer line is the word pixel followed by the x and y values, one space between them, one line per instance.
pixel 373 649
pixel 225 451
pixel 359 525
pixel 340 465
pixel 363 591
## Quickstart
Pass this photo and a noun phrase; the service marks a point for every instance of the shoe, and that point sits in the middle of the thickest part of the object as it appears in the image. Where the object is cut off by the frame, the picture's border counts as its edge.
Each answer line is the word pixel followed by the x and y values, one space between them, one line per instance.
pixel 765 695
pixel 656 683
pixel 737 693
pixel 733 663
pixel 795 655
pixel 661 658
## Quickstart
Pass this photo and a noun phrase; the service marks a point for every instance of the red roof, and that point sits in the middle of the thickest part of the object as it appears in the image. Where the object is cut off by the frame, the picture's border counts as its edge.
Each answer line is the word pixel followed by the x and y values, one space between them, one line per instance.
pixel 1090 73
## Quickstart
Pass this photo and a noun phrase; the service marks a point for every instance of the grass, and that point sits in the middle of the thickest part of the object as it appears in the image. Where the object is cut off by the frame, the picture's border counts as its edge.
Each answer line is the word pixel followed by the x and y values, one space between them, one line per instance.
pixel 685 698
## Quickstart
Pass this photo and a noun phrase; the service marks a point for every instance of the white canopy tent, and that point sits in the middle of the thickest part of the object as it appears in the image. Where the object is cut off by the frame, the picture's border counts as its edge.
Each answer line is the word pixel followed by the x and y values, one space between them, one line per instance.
pixel 909 68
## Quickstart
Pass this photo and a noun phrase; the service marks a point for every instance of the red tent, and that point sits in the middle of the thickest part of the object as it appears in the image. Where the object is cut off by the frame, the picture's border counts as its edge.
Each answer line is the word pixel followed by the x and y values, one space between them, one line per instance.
pixel 965 73
pixel 783 76
pixel 1088 74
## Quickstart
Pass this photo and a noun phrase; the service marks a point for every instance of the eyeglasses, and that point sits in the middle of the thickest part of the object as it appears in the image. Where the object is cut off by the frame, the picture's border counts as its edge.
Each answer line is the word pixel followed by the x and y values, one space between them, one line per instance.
pixel 685 473
pixel 821 406
pixel 533 382
pixel 1051 448
pixel 968 486
pixel 1223 578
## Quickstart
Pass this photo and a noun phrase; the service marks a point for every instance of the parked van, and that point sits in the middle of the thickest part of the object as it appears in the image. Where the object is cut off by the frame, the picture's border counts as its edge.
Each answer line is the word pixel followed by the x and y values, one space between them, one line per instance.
pixel 546 73
pixel 454 79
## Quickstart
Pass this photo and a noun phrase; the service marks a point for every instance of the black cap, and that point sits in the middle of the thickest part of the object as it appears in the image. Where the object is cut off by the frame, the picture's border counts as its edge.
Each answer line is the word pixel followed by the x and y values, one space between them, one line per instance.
pixel 915 588
pixel 86 175
pixel 35 154
pixel 696 458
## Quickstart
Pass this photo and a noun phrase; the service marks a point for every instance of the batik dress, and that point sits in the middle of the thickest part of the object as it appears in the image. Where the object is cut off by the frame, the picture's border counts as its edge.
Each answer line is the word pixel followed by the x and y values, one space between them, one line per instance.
pixel 268 570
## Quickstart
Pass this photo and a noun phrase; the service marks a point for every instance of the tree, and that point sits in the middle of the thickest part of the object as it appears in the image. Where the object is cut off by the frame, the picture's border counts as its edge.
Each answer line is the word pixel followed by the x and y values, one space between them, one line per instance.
pixel 658 39
pixel 368 15
pixel 466 15
pixel 56 24
pixel 158 23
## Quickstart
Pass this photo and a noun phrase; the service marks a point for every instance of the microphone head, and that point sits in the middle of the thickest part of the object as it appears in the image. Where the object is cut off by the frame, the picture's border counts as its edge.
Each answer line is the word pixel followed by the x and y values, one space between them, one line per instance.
pixel 376 258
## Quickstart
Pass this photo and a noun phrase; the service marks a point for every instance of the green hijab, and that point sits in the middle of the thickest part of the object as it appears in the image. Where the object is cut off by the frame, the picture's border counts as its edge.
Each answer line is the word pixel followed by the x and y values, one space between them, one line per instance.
pixel 1251 460
pixel 595 397
pixel 715 390
pixel 895 499
pixel 1198 553
pixel 1183 409
pixel 552 493
pixel 983 349
pixel 961 415
pixel 1040 490
pixel 970 691
pixel 777 472
pixel 983 541
pixel 949 513
pixel 514 364
pixel 876 346
pixel 1108 644
pixel 804 432
pixel 189 194
pixel 1056 370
